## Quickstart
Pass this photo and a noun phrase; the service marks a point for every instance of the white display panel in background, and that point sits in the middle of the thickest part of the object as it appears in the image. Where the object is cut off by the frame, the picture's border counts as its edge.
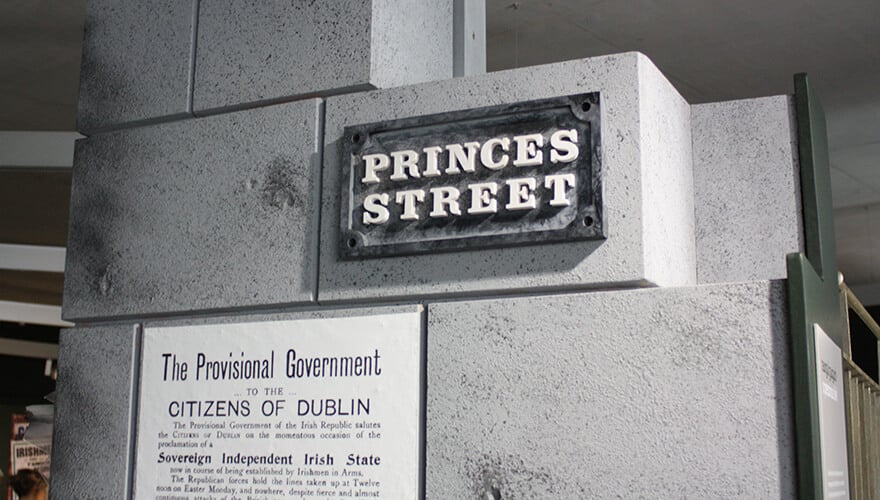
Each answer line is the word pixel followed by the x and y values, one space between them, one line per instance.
pixel 832 416
pixel 317 408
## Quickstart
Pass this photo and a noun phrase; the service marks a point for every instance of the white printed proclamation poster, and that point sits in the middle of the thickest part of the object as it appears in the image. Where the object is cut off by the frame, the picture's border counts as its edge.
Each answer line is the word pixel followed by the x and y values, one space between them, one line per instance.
pixel 316 408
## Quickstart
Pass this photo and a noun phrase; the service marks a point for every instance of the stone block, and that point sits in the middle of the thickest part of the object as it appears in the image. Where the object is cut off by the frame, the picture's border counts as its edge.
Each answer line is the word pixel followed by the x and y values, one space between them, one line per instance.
pixel 651 393
pixel 283 315
pixel 94 411
pixel 217 212
pixel 269 51
pixel 648 198
pixel 747 189
pixel 137 62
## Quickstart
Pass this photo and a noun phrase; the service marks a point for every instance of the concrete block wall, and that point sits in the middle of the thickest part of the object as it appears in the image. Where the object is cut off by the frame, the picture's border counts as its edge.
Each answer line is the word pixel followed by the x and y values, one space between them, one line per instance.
pixel 207 213
pixel 94 412
pixel 295 49
pixel 160 61
pixel 137 62
pixel 655 359
pixel 651 393
pixel 747 189
pixel 632 255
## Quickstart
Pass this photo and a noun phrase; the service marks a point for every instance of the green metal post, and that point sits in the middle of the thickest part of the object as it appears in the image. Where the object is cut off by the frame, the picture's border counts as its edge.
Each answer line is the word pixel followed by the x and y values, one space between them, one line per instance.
pixel 812 284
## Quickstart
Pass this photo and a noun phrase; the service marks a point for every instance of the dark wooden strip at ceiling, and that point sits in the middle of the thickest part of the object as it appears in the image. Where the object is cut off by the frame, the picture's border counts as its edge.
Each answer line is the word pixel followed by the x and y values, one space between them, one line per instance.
pixel 31 287
pixel 34 204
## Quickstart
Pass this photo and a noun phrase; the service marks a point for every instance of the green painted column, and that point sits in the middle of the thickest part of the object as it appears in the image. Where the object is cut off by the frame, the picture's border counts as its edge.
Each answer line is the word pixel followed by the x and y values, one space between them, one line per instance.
pixel 812 284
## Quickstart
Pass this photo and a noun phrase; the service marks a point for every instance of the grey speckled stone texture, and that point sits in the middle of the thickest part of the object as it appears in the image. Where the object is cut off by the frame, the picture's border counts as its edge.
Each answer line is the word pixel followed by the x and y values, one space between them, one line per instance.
pixel 93 413
pixel 646 148
pixel 747 189
pixel 265 51
pixel 652 393
pixel 281 315
pixel 217 212
pixel 137 62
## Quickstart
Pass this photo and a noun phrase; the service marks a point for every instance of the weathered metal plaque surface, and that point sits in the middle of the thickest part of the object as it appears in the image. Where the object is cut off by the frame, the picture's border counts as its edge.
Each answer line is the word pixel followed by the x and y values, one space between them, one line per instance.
pixel 525 173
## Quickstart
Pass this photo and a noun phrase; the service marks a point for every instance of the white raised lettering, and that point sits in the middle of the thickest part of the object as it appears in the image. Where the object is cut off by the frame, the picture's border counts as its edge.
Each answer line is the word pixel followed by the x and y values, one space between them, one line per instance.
pixel 405 161
pixel 458 156
pixel 373 164
pixel 375 209
pixel 445 197
pixel 558 183
pixel 565 141
pixel 431 153
pixel 527 153
pixel 483 198
pixel 487 152
pixel 408 198
pixel 522 195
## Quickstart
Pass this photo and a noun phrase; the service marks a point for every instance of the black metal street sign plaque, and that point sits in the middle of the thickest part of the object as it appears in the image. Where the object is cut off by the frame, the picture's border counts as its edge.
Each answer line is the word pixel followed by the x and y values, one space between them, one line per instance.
pixel 524 173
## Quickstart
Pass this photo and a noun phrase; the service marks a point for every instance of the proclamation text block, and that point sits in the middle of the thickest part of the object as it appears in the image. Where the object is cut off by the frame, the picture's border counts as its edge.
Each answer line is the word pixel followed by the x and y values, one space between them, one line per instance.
pixel 311 408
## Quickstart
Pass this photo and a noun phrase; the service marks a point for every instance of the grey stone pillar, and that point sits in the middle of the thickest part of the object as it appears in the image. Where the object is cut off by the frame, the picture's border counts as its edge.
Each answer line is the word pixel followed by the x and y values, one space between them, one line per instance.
pixel 651 363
